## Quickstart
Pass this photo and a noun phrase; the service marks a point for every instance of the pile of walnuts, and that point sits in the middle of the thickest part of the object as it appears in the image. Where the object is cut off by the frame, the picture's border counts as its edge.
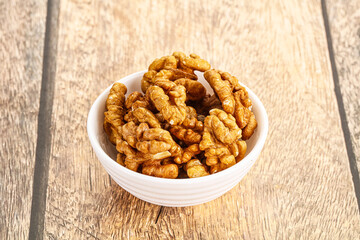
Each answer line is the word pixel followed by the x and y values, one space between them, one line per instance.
pixel 174 129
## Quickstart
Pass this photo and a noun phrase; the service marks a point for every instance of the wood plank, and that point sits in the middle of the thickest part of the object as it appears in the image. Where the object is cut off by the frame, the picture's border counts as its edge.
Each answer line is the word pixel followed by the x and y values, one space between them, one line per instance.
pixel 22 32
pixel 344 21
pixel 301 184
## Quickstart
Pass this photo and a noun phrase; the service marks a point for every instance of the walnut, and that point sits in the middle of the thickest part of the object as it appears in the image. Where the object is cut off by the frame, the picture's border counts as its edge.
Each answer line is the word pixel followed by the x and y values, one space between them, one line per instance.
pixel 142 143
pixel 194 90
pixel 164 68
pixel 191 121
pixel 120 159
pixel 188 153
pixel 132 165
pixel 163 63
pixel 115 110
pixel 222 88
pixel 234 82
pixel 215 151
pixel 194 62
pixel 148 80
pixel 219 167
pixel 188 136
pixel 136 100
pixel 142 115
pixel 223 126
pixel 157 168
pixel 194 168
pixel 244 117
pixel 250 127
pixel 220 138
pixel 240 150
pixel 234 98
pixel 191 129
pixel 242 114
pixel 169 99
pixel 219 153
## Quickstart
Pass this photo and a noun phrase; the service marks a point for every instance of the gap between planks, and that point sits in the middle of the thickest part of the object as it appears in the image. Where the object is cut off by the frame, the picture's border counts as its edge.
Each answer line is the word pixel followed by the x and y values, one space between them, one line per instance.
pixel 159 213
pixel 344 122
pixel 43 144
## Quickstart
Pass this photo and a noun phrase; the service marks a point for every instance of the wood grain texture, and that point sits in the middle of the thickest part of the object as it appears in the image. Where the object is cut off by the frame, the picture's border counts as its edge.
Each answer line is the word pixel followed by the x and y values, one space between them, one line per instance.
pixel 301 185
pixel 22 31
pixel 344 21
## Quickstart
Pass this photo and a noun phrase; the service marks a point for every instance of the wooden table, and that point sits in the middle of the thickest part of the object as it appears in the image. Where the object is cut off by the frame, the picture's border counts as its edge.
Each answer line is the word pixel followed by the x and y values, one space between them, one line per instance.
pixel 300 57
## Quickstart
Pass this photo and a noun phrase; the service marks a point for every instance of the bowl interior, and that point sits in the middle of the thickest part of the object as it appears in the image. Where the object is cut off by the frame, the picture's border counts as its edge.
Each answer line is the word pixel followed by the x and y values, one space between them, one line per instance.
pixel 133 83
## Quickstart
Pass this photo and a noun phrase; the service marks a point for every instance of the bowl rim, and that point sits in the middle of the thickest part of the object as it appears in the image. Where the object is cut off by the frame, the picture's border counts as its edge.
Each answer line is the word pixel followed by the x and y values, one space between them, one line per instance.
pixel 118 168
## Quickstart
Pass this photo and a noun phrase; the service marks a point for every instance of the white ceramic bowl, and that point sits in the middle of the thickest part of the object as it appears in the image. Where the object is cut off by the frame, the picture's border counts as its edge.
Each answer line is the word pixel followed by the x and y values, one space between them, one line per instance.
pixel 172 192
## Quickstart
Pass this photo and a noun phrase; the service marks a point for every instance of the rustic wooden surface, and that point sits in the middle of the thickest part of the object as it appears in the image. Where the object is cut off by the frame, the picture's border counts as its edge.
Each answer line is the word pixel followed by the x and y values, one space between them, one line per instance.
pixel 300 187
pixel 344 19
pixel 22 27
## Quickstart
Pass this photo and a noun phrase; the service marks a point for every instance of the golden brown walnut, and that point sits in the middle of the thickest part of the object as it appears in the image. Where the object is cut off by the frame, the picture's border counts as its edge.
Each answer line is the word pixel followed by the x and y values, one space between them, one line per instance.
pixel 223 126
pixel 169 99
pixel 171 74
pixel 188 136
pixel 115 110
pixel 250 127
pixel 244 117
pixel 244 96
pixel 219 140
pixel 156 169
pixel 191 121
pixel 188 153
pixel 180 73
pixel 128 133
pixel 234 98
pixel 194 168
pixel 193 62
pixel 164 68
pixel 148 80
pixel 152 76
pixel 120 159
pixel 222 88
pixel 132 98
pixel 215 151
pixel 136 100
pixel 238 150
pixel 241 150
pixel 151 140
pixel 191 129
pixel 141 143
pixel 163 63
pixel 139 110
pixel 233 81
pixel 172 68
pixel 144 115
pixel 219 153
pixel 242 114
pixel 129 117
pixel 219 167
pixel 162 121
pixel 130 101
pixel 132 165
pixel 194 90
